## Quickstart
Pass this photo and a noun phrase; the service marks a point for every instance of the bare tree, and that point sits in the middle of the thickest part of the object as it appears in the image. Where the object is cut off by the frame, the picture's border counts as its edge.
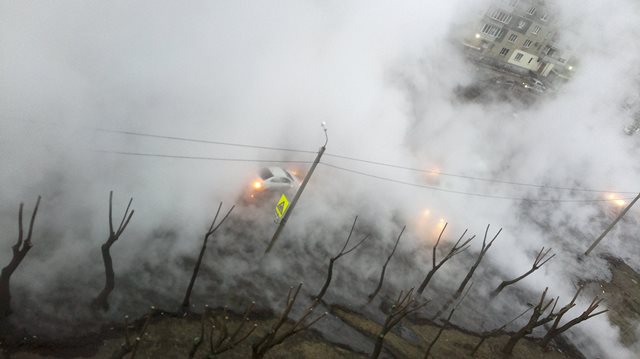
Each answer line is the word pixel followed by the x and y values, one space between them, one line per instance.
pixel 467 278
pixel 101 300
pixel 446 323
pixel 212 229
pixel 274 337
pixel 332 260
pixel 131 345
pixel 483 251
pixel 537 263
pixel 228 340
pixel 456 249
pixel 496 332
pixel 403 306
pixel 384 267
pixel 19 250
pixel 535 321
pixel 555 330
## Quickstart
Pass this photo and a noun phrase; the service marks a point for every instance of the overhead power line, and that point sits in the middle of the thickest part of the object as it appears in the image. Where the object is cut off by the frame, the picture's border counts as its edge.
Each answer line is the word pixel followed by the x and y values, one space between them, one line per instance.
pixel 225 159
pixel 195 140
pixel 475 194
pixel 349 158
pixel 490 180
pixel 387 179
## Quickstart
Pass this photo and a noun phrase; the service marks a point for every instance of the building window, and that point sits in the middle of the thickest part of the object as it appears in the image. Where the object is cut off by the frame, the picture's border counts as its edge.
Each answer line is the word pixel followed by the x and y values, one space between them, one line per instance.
pixel 544 17
pixel 532 10
pixel 535 30
pixel 521 24
pixel 491 30
pixel 504 51
pixel 513 37
pixel 531 59
pixel 518 57
pixel 527 44
pixel 500 16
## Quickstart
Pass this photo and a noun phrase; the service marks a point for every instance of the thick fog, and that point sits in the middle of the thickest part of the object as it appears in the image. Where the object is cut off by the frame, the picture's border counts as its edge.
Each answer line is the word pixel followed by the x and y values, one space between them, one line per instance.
pixel 384 76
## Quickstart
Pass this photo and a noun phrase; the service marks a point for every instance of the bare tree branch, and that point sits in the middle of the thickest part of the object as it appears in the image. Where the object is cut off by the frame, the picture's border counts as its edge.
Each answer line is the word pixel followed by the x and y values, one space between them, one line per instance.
pixel 101 301
pixel 403 306
pixel 332 260
pixel 384 267
pixel 537 263
pixel 535 321
pixel 212 229
pixel 19 251
pixel 455 250
pixel 555 330
pixel 227 341
pixel 467 278
pixel 275 336
pixel 496 332
pixel 446 323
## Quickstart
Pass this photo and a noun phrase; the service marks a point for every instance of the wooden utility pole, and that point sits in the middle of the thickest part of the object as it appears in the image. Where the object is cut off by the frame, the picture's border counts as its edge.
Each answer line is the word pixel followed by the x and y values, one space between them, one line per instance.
pixel 595 243
pixel 299 192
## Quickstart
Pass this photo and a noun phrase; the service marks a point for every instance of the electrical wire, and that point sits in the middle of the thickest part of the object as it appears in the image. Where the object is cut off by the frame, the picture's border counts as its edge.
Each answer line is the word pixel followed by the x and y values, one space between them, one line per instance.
pixel 141 154
pixel 483 195
pixel 377 163
pixel 490 180
pixel 475 194
pixel 195 140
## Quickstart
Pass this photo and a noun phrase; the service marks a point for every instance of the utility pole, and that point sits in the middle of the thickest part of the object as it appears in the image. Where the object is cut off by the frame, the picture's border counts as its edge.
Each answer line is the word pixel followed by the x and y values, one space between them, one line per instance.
pixel 299 192
pixel 611 225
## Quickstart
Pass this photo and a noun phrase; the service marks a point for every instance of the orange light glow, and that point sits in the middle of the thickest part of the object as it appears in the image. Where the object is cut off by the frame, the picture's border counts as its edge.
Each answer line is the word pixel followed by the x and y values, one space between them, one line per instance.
pixel 615 200
pixel 434 172
pixel 429 224
pixel 257 185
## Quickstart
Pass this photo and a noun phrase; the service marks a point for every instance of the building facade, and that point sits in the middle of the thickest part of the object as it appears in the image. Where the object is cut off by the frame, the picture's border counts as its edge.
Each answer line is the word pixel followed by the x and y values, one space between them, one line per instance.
pixel 520 36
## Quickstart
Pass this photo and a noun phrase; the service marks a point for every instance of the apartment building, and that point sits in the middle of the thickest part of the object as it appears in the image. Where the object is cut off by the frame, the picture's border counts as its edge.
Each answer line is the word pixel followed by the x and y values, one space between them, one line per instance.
pixel 519 36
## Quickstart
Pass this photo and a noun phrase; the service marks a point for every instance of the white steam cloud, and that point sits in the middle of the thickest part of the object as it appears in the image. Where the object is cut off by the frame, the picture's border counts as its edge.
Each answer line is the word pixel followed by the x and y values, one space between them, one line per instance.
pixel 383 76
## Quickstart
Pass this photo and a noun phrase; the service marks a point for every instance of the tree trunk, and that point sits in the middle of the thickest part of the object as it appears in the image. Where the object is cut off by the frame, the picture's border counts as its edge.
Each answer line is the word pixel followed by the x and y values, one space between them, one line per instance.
pixel 378 347
pixel 5 294
pixel 328 281
pixel 187 297
pixel 424 283
pixel 508 348
pixel 102 298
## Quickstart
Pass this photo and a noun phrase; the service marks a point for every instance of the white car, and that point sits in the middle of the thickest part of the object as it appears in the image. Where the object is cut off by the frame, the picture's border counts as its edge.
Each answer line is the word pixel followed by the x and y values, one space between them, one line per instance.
pixel 536 86
pixel 272 180
pixel 538 83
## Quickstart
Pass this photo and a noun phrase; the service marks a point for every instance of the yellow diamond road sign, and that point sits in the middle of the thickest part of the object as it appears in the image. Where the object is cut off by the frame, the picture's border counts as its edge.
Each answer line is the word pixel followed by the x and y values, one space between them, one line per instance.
pixel 282 206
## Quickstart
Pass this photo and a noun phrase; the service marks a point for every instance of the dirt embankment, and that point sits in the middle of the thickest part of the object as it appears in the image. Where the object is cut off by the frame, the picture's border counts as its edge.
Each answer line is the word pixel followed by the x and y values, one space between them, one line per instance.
pixel 172 336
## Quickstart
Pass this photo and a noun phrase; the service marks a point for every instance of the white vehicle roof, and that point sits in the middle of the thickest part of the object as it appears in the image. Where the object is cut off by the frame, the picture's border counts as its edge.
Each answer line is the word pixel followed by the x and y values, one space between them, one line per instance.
pixel 277 171
pixel 274 171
